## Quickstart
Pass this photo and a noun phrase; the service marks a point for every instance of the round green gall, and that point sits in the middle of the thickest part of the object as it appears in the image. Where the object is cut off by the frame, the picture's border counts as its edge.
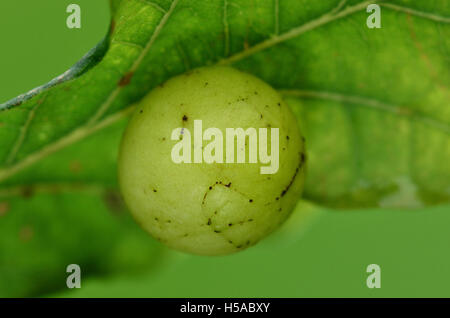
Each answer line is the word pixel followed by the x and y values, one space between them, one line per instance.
pixel 212 161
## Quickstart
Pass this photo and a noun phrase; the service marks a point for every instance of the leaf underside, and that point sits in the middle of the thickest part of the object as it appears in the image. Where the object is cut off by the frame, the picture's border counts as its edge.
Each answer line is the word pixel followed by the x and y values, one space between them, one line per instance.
pixel 372 103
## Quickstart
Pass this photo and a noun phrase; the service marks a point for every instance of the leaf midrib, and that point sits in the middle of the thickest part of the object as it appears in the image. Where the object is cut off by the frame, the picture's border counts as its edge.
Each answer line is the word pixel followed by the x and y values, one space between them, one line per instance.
pixel 369 103
pixel 111 98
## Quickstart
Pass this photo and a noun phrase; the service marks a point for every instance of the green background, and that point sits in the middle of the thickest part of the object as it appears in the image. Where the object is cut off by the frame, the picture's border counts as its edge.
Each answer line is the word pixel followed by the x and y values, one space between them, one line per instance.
pixel 322 254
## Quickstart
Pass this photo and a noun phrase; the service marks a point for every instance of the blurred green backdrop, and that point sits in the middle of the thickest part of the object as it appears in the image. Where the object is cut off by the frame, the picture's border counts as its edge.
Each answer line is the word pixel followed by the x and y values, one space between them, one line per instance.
pixel 317 253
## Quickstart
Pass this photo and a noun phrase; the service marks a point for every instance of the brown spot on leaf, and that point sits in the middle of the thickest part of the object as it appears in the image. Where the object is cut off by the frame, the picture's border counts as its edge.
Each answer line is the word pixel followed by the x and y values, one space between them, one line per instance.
pixel 112 26
pixel 404 111
pixel 75 166
pixel 26 233
pixel 126 79
pixel 4 208
pixel 113 201
pixel 27 192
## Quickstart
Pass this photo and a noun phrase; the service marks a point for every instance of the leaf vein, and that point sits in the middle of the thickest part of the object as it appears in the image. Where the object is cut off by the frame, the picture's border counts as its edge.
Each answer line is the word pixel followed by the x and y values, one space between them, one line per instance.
pixel 154 5
pixel 295 32
pixel 127 43
pixel 426 15
pixel 367 102
pixel 54 188
pixel 67 140
pixel 107 104
pixel 23 132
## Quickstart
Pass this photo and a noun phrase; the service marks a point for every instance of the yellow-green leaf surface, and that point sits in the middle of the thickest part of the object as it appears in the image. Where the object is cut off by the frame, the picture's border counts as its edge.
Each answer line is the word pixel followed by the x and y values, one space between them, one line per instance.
pixel 374 105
